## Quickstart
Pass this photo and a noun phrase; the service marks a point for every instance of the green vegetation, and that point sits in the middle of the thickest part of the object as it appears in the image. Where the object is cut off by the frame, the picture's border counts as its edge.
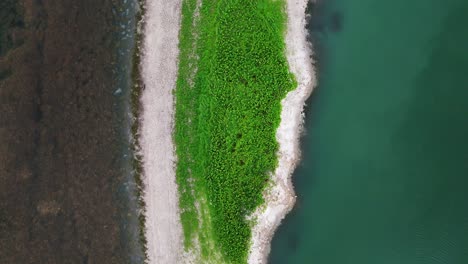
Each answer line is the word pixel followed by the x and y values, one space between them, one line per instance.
pixel 232 76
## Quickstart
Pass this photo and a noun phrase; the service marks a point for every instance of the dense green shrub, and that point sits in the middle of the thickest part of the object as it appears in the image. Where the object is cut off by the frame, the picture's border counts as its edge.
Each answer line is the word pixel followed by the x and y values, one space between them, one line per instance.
pixel 232 76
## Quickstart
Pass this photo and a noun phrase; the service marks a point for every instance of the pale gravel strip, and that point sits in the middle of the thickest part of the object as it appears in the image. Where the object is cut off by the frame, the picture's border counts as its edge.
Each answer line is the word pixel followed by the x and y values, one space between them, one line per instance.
pixel 159 73
pixel 280 197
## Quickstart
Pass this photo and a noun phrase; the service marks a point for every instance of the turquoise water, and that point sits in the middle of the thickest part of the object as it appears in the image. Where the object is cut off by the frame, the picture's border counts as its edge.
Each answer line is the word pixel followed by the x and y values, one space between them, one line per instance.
pixel 384 177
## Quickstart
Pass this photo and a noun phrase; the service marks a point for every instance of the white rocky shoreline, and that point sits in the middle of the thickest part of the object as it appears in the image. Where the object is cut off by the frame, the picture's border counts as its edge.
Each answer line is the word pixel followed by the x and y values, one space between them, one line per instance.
pixel 280 198
pixel 159 65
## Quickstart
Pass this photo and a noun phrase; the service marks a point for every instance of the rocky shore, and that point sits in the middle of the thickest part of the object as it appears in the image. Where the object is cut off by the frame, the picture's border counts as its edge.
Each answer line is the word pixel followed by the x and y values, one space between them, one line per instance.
pixel 280 198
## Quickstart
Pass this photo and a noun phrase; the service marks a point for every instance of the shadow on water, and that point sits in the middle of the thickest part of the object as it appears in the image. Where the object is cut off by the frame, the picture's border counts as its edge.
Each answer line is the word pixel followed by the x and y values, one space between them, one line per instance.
pixel 322 20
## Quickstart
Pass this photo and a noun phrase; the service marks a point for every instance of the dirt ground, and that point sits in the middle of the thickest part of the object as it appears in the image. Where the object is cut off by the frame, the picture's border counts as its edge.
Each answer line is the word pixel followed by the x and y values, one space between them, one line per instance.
pixel 59 156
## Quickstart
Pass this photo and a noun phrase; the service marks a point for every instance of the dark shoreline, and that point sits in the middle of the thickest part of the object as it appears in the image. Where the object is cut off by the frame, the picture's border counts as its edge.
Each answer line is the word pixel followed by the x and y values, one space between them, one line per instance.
pixel 61 138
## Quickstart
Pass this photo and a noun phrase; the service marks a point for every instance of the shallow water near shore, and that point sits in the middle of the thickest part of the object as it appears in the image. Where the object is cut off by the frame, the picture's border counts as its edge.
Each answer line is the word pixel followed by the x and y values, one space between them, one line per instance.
pixel 385 155
pixel 126 192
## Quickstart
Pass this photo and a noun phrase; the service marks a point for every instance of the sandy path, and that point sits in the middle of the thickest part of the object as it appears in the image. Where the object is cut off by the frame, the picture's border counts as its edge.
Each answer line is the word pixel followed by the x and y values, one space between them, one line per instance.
pixel 159 73
pixel 280 199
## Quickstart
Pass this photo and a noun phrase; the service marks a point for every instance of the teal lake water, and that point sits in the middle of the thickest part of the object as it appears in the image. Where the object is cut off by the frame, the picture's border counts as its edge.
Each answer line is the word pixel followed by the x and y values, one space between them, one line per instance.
pixel 384 177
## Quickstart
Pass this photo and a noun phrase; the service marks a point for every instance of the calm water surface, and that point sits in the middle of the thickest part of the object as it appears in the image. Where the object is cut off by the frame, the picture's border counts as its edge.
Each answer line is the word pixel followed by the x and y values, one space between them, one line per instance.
pixel 384 177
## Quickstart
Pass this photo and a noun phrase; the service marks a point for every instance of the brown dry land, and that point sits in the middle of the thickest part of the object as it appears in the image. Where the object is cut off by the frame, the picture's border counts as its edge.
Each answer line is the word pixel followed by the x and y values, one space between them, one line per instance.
pixel 59 156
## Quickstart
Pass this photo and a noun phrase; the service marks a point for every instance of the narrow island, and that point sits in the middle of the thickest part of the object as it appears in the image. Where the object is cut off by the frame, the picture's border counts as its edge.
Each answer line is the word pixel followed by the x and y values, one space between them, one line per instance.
pixel 222 88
